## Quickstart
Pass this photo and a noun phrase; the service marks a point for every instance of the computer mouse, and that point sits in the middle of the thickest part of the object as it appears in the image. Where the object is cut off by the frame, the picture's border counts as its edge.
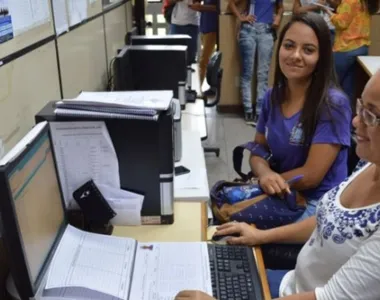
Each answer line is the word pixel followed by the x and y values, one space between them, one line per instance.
pixel 221 238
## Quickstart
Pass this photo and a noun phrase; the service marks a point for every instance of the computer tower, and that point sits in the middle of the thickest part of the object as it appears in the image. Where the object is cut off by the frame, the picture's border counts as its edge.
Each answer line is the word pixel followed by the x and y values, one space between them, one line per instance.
pixel 145 151
pixel 152 67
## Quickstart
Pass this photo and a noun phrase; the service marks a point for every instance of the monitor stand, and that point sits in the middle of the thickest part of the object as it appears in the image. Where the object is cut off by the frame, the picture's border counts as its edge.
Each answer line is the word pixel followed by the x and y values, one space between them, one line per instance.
pixel 11 288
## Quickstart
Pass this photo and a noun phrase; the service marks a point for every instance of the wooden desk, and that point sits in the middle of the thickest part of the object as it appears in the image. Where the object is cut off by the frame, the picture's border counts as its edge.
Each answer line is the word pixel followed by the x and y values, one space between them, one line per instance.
pixel 366 67
pixel 194 118
pixel 370 64
pixel 190 225
pixel 259 262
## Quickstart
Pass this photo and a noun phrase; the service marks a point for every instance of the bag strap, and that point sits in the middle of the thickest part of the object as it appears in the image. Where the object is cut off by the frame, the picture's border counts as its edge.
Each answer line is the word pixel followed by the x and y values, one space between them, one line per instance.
pixel 253 148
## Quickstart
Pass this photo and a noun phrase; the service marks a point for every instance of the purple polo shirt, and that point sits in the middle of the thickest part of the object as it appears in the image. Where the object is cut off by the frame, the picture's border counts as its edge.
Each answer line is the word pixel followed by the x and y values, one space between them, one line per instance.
pixel 284 139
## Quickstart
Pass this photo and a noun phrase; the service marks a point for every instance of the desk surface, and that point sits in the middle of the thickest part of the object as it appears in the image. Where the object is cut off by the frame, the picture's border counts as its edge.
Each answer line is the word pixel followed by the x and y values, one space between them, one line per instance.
pixel 190 225
pixel 193 159
pixel 370 64
pixel 194 118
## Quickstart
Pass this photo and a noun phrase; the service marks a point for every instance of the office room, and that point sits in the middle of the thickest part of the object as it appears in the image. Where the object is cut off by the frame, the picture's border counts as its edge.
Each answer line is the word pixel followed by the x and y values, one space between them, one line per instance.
pixel 144 153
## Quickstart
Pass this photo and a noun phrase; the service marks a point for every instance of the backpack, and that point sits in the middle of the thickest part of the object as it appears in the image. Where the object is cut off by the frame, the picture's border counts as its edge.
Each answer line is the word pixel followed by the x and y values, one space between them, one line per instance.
pixel 243 200
pixel 168 13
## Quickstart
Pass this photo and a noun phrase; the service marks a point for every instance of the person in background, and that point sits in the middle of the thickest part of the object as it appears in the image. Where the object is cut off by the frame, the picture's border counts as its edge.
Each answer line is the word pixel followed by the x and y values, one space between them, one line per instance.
pixel 352 22
pixel 209 30
pixel 258 19
pixel 302 6
pixel 341 256
pixel 185 20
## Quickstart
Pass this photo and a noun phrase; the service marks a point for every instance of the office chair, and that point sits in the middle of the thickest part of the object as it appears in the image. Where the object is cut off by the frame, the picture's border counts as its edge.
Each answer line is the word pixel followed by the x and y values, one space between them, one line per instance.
pixel 214 79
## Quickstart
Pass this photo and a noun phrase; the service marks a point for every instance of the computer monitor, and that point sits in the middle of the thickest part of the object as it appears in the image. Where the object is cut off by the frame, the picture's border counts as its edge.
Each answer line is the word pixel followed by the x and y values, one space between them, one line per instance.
pixel 170 39
pixel 151 67
pixel 32 210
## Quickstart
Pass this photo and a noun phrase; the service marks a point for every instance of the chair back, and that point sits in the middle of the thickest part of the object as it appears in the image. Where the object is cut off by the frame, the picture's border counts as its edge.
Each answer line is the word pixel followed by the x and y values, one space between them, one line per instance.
pixel 214 77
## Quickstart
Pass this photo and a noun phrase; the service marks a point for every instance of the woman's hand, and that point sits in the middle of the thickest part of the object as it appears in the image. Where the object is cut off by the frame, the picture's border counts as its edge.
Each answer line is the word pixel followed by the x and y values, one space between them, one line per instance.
pixel 247 19
pixel 272 183
pixel 193 295
pixel 249 236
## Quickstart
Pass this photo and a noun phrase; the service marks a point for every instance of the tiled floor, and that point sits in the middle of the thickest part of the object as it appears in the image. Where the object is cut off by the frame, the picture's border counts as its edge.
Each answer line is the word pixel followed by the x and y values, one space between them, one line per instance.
pixel 225 131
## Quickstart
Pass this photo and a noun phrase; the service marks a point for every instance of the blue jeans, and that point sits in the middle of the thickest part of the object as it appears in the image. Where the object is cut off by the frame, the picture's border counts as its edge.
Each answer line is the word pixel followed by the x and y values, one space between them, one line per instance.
pixel 251 37
pixel 274 280
pixel 193 32
pixel 311 208
pixel 345 69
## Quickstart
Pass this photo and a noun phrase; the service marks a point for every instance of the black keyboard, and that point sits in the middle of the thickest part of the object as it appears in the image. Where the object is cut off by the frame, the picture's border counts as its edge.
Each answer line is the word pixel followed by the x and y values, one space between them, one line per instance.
pixel 234 273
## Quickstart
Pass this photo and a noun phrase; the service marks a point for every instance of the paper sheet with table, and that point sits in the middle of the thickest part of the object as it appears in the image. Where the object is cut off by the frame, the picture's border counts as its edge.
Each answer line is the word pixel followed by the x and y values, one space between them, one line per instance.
pixel 60 16
pixel 84 151
pixel 160 270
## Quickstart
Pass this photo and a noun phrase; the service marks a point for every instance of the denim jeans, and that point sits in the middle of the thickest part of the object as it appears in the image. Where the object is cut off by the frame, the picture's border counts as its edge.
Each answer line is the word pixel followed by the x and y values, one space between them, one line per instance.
pixel 311 208
pixel 345 68
pixel 274 280
pixel 251 38
pixel 193 31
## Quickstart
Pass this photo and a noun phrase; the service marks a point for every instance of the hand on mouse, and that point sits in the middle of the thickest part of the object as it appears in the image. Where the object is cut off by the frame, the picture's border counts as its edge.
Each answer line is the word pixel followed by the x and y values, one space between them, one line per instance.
pixel 249 236
pixel 193 295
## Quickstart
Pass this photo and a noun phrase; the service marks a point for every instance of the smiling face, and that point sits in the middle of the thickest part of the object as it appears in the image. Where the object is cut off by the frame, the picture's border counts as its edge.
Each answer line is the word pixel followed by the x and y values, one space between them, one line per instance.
pixel 368 135
pixel 299 52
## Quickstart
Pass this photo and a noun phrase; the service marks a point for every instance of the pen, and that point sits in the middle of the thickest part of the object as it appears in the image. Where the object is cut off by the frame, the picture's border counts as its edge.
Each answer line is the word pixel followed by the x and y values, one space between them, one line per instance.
pixel 294 179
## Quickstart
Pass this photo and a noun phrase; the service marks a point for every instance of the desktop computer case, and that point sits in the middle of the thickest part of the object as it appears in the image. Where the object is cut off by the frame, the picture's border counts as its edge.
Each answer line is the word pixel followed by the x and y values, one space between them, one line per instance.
pixel 145 151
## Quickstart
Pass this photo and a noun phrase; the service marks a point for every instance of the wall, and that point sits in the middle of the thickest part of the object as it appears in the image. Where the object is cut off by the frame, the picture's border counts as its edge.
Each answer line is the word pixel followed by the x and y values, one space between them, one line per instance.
pixel 37 65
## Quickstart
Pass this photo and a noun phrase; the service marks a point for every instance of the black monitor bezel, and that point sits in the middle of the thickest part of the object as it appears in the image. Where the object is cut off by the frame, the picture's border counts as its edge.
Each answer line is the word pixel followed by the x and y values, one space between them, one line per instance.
pixel 10 227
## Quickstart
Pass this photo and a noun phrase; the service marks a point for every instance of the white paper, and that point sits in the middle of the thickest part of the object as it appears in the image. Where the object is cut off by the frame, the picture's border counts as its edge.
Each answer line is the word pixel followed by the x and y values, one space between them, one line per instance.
pixel 27 14
pixel 127 205
pixel 163 269
pixel 83 151
pixel 77 10
pixel 193 180
pixel 60 16
pixel 159 100
pixel 92 261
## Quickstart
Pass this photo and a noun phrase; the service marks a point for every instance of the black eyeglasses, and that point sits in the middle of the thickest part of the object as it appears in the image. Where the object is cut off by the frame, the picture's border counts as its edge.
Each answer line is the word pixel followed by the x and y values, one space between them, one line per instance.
pixel 368 117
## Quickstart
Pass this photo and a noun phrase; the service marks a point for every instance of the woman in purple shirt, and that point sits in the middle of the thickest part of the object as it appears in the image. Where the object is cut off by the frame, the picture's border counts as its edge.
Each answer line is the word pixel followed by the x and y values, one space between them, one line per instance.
pixel 305 119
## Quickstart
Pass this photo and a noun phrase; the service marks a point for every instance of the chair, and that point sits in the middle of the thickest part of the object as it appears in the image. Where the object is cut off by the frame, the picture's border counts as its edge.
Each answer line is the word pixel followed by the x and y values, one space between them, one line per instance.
pixel 214 79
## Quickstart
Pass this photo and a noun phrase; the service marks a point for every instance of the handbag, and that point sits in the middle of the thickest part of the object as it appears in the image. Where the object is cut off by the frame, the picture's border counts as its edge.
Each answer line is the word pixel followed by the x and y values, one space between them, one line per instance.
pixel 243 200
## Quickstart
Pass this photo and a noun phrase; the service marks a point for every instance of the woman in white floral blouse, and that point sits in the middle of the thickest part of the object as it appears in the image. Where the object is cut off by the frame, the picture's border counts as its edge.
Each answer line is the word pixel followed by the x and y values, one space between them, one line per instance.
pixel 341 256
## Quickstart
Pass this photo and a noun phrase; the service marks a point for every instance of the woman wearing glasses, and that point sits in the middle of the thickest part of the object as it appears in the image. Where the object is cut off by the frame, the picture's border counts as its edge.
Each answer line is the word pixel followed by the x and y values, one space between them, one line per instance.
pixel 341 256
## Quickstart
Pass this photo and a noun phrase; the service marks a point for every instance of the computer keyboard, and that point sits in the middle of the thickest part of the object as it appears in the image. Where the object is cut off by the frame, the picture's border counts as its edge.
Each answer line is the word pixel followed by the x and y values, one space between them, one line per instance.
pixel 234 273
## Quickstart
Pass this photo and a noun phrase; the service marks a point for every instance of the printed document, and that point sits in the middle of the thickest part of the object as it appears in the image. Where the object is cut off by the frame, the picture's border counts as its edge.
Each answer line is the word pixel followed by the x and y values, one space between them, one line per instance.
pixel 60 16
pixel 83 151
pixel 77 10
pixel 164 269
pixel 126 204
pixel 93 261
pixel 159 100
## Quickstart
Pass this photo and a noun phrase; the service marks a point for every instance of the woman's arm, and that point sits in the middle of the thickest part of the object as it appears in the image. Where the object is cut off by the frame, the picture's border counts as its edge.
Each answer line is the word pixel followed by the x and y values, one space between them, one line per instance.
pixel 202 7
pixel 319 160
pixel 345 13
pixel 259 166
pixel 298 8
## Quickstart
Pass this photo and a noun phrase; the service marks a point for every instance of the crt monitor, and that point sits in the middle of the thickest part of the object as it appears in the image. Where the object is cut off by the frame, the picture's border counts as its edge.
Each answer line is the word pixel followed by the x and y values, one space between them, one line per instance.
pixel 170 39
pixel 32 210
pixel 152 67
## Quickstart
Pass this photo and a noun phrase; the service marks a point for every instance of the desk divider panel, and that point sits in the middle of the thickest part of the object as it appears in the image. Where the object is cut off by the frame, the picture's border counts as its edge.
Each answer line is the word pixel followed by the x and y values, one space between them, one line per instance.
pixel 82 58
pixel 116 28
pixel 27 83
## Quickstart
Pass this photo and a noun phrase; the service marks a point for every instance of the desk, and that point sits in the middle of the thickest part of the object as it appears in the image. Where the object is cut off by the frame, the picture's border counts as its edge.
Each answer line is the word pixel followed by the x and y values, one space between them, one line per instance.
pixel 190 225
pixel 366 67
pixel 259 262
pixel 370 64
pixel 194 118
pixel 193 159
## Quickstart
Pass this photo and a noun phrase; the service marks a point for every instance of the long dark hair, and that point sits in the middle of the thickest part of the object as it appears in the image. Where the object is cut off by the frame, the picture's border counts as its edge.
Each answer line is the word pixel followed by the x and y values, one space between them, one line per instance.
pixel 323 78
pixel 372 6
